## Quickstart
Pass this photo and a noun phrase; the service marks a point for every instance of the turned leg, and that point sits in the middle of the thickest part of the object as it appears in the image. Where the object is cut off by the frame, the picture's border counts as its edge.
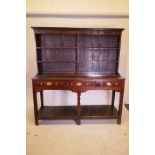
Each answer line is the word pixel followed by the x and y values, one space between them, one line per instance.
pixel 120 107
pixel 78 121
pixel 112 100
pixel 35 107
pixel 42 99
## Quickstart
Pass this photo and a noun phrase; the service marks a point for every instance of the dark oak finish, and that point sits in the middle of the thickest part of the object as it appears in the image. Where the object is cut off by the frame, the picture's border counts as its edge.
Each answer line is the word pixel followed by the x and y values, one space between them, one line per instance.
pixel 77 59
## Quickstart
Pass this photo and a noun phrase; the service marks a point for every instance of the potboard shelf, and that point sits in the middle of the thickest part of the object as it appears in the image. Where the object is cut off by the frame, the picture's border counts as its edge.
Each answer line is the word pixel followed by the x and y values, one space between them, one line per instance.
pixel 69 112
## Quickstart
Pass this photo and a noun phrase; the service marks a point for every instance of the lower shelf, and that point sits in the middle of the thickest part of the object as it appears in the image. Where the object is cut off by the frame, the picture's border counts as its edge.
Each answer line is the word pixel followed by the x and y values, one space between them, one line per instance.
pixel 69 112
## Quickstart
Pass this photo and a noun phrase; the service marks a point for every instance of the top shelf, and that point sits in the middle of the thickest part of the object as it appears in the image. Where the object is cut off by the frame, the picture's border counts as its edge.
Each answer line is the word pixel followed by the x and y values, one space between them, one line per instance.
pixel 77 31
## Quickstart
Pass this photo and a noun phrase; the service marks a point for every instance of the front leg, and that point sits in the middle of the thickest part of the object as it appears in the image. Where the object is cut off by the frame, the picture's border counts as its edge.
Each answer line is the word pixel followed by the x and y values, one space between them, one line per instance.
pixel 120 107
pixel 35 107
pixel 78 121
pixel 42 98
pixel 113 100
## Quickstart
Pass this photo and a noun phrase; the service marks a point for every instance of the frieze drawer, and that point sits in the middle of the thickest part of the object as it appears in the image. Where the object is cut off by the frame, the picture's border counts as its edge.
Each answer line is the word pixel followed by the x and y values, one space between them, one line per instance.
pixel 54 83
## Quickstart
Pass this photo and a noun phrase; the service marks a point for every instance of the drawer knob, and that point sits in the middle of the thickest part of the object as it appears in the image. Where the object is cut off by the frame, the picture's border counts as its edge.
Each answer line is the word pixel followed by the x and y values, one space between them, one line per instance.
pixel 108 83
pixel 79 84
pixel 48 83
pixel 98 83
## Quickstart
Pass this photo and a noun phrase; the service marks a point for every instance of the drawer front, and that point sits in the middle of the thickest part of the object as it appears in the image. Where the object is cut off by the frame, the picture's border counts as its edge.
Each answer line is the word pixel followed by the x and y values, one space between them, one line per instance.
pixel 108 83
pixel 64 84
pixel 50 83
pixel 80 84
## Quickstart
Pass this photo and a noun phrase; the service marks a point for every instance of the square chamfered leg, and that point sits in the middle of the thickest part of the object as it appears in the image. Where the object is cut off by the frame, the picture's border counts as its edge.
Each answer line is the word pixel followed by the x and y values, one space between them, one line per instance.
pixel 42 99
pixel 78 121
pixel 113 100
pixel 120 106
pixel 35 106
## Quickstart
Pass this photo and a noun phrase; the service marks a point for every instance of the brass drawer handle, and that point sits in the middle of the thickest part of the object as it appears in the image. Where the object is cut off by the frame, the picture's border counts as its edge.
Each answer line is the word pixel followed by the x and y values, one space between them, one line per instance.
pixel 79 84
pixel 48 83
pixel 108 83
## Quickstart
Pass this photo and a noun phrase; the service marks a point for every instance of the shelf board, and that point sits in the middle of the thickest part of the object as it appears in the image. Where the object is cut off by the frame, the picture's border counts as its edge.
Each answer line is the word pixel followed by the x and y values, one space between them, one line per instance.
pixel 57 112
pixel 57 61
pixel 56 47
pixel 74 47
pixel 80 73
pixel 69 112
pixel 98 111
pixel 77 61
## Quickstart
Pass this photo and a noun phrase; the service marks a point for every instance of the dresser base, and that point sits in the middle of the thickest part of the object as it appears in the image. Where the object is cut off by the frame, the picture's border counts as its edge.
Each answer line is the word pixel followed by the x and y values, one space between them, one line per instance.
pixel 78 86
